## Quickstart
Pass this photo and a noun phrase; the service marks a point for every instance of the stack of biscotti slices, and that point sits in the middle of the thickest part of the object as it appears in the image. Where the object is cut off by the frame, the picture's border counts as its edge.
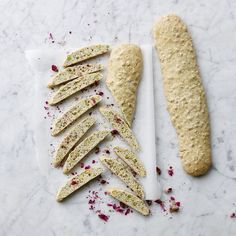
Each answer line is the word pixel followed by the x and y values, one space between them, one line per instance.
pixel 74 122
pixel 124 74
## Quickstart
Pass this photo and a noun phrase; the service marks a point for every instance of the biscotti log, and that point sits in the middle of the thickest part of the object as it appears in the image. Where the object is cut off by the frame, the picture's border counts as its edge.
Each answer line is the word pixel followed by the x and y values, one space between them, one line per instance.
pixel 184 93
pixel 124 73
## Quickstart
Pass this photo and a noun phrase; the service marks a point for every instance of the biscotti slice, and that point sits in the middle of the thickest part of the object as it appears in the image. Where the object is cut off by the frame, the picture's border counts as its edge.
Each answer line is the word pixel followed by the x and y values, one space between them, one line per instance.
pixel 124 73
pixel 83 148
pixel 130 200
pixel 74 72
pixel 71 139
pixel 74 113
pixel 74 86
pixel 120 125
pixel 85 54
pixel 77 182
pixel 184 93
pixel 131 160
pixel 122 171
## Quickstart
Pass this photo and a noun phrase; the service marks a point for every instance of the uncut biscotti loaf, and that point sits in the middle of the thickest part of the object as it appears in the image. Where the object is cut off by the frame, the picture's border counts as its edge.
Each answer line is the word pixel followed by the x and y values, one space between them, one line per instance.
pixel 184 93
pixel 124 73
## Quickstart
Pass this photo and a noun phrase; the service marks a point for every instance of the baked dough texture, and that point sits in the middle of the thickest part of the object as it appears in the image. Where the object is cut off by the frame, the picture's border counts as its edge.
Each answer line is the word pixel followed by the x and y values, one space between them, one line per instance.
pixel 73 113
pixel 130 200
pixel 83 148
pixel 124 73
pixel 70 140
pixel 184 93
pixel 73 87
pixel 120 125
pixel 85 53
pixel 77 182
pixel 71 73
pixel 123 172
pixel 131 160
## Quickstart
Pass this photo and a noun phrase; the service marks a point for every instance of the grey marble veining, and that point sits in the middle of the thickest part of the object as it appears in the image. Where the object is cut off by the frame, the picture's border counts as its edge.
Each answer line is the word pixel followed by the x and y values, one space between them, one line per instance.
pixel 27 199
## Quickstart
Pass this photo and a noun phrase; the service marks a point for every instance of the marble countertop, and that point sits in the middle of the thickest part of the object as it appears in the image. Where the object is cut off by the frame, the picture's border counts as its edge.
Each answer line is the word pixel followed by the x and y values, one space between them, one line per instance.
pixel 27 198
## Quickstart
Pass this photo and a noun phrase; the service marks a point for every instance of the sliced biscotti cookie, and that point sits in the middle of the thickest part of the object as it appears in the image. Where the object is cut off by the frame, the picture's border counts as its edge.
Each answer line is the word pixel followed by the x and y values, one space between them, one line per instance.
pixel 74 113
pixel 184 93
pixel 85 54
pixel 69 141
pixel 74 86
pixel 71 73
pixel 130 200
pixel 131 160
pixel 124 73
pixel 83 148
pixel 120 125
pixel 123 172
pixel 77 182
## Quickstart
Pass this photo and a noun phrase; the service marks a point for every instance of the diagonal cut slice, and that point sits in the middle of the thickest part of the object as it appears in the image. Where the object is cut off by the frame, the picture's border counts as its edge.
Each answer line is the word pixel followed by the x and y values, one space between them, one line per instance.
pixel 73 87
pixel 130 200
pixel 74 72
pixel 122 171
pixel 85 53
pixel 82 149
pixel 74 113
pixel 69 141
pixel 120 125
pixel 77 182
pixel 131 160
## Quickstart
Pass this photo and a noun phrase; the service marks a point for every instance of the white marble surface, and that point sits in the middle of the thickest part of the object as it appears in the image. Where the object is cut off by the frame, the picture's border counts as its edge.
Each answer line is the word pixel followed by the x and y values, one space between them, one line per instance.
pixel 27 199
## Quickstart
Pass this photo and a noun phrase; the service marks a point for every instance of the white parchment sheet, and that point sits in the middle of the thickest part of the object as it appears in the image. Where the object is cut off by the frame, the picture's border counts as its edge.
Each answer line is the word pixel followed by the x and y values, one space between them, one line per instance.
pixel 41 61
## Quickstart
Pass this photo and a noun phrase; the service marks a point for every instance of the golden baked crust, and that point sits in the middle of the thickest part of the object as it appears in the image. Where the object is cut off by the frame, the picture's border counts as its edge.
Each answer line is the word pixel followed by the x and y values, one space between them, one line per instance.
pixel 120 125
pixel 73 113
pixel 83 148
pixel 73 87
pixel 184 92
pixel 70 140
pixel 131 160
pixel 77 182
pixel 124 73
pixel 123 172
pixel 71 73
pixel 130 200
pixel 85 53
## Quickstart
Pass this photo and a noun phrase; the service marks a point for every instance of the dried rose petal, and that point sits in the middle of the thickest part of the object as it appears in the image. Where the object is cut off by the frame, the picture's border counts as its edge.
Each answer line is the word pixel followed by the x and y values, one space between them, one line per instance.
pixel 158 170
pixel 114 132
pixel 233 215
pixel 103 217
pixel 82 165
pixel 73 182
pixel 168 190
pixel 127 212
pixel 170 171
pixel 103 181
pixel 54 68
pixel 107 151
pixel 97 150
pixel 149 202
